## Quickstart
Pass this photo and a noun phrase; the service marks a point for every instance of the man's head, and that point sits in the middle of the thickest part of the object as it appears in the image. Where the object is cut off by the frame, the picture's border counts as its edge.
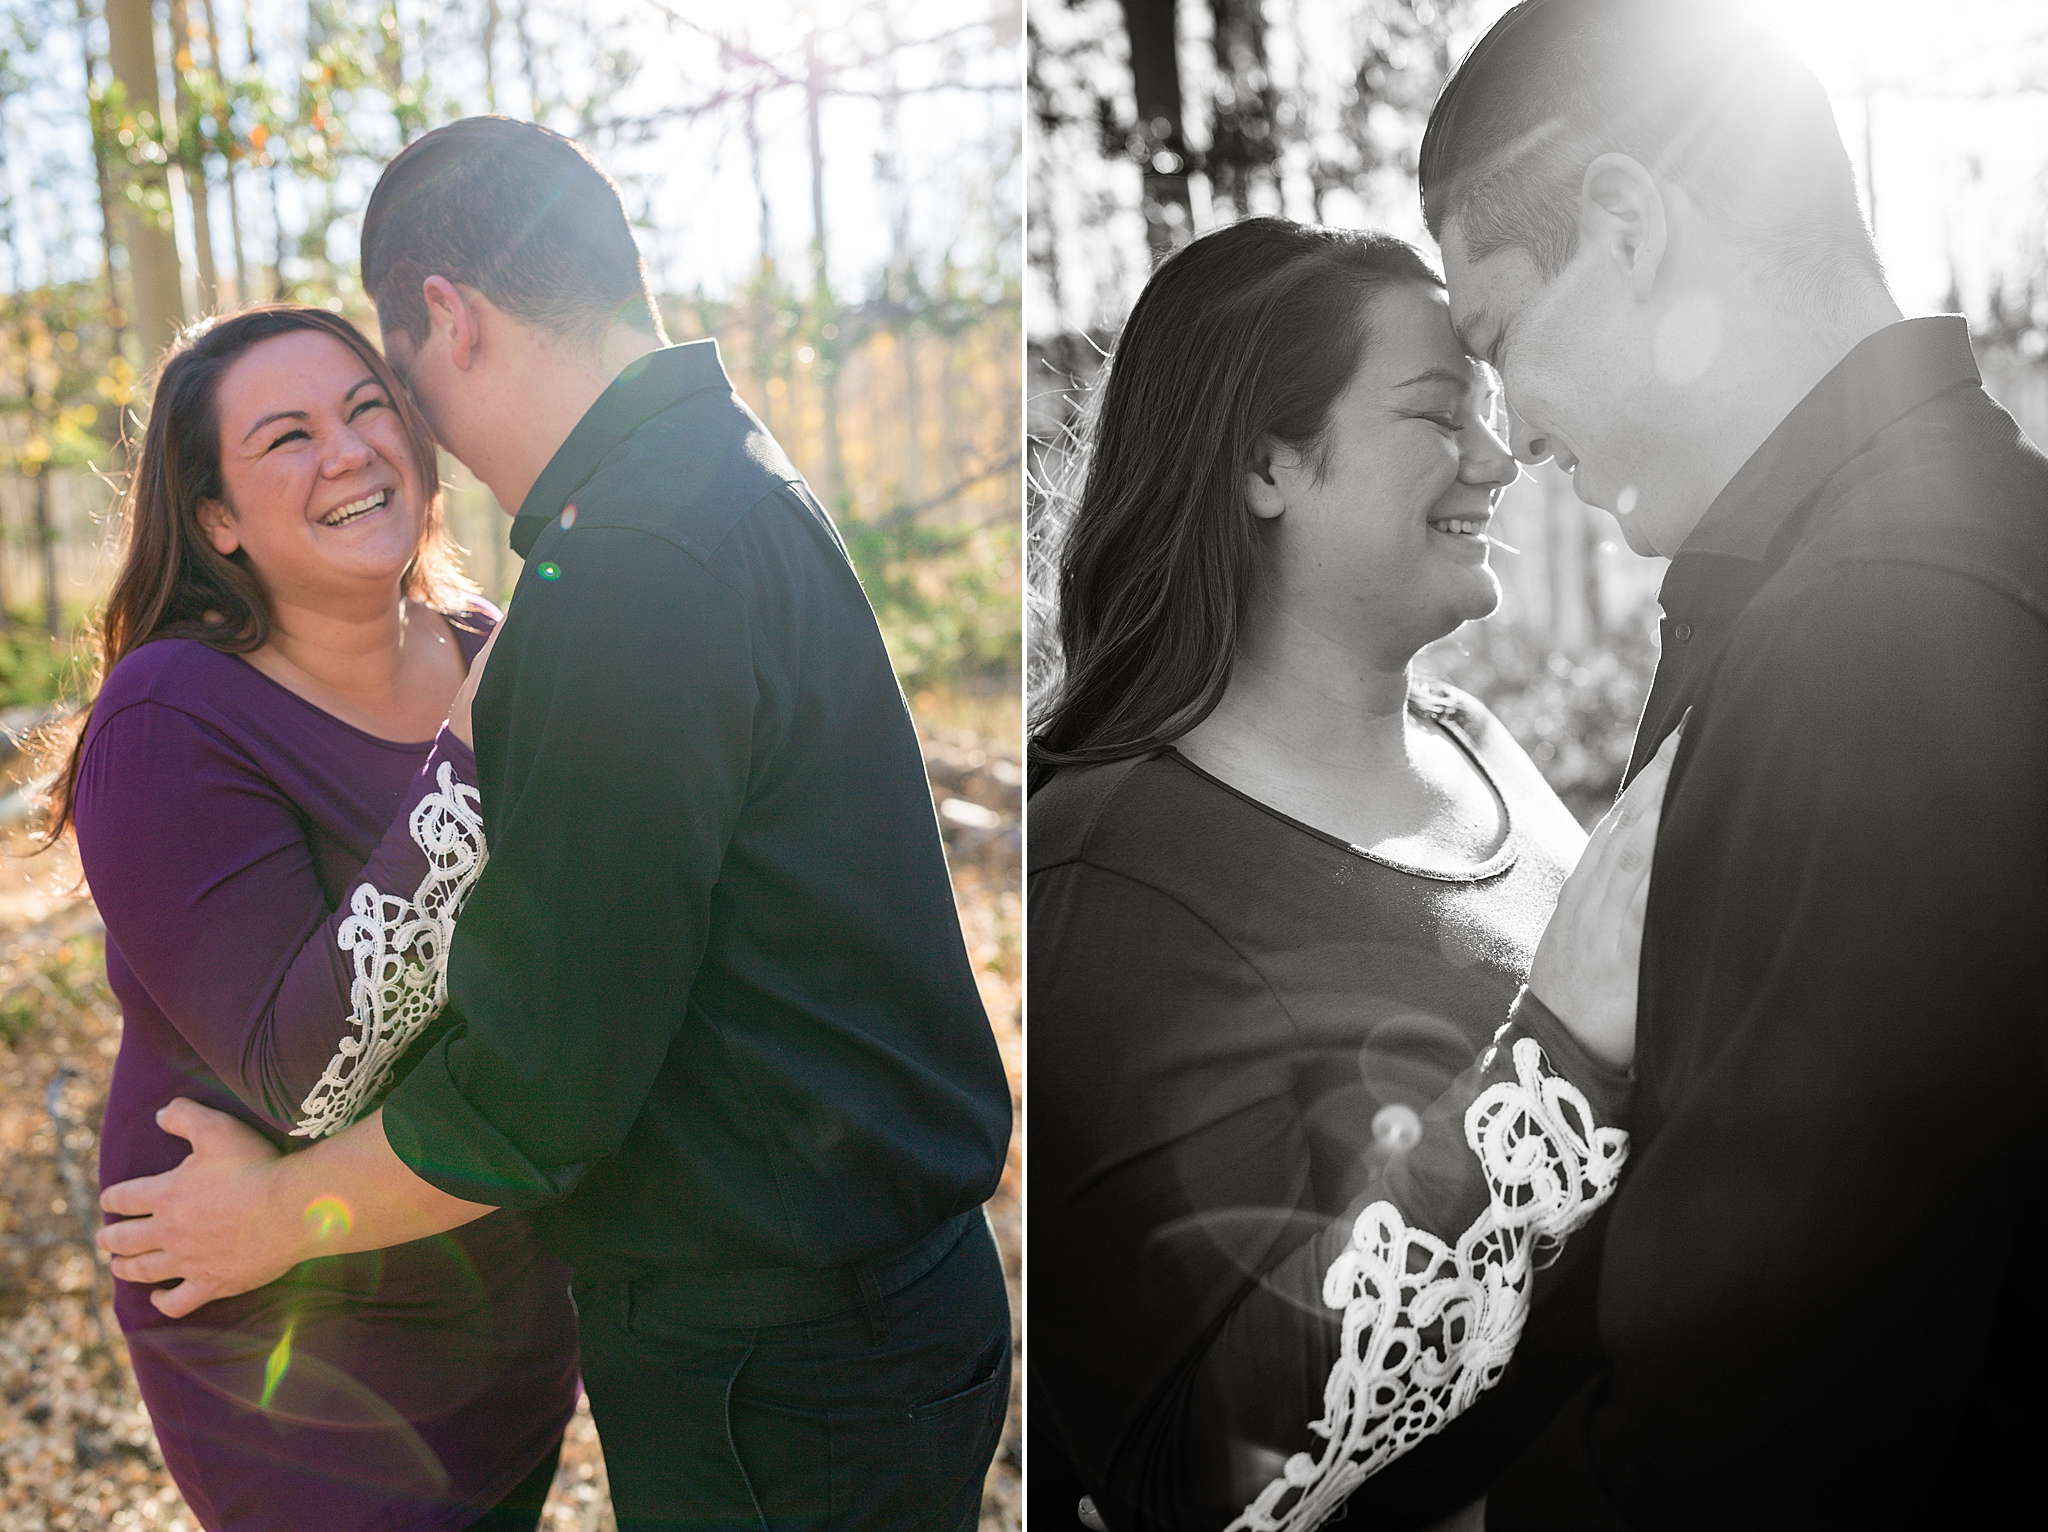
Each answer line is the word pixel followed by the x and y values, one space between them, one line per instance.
pixel 488 221
pixel 1650 225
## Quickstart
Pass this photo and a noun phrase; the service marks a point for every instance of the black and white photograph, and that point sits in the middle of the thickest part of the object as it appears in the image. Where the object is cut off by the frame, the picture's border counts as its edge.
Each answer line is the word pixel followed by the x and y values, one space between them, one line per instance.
pixel 1537 838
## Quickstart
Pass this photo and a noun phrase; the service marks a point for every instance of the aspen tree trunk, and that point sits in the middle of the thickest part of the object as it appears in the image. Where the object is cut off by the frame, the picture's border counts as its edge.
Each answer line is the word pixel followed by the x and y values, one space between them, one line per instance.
pixel 529 64
pixel 492 16
pixel 152 247
pixel 192 156
pixel 53 609
pixel 1155 80
pixel 821 287
pixel 391 64
pixel 761 361
pixel 911 490
pixel 220 79
pixel 117 320
pixel 270 176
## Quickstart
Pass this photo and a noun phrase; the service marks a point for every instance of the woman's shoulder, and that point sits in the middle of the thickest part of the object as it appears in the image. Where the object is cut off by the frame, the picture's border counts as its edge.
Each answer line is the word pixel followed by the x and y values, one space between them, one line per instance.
pixel 1439 699
pixel 1459 709
pixel 1112 811
pixel 182 672
pixel 473 623
pixel 1537 810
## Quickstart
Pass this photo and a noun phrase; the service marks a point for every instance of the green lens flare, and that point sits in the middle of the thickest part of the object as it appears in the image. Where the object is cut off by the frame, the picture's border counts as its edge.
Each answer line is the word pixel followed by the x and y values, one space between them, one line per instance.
pixel 329 1218
pixel 551 571
pixel 278 1365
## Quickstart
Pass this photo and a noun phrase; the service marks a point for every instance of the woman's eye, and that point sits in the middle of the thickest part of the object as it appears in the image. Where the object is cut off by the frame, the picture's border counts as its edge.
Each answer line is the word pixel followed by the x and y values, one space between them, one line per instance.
pixel 367 404
pixel 1448 423
pixel 288 436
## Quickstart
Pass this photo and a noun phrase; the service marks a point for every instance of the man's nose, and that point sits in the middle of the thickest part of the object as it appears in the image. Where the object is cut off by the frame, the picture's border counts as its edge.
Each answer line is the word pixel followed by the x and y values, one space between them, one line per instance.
pixel 1528 445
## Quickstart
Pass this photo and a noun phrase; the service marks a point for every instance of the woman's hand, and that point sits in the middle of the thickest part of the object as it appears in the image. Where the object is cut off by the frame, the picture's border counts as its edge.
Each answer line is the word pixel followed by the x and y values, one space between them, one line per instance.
pixel 1586 965
pixel 458 711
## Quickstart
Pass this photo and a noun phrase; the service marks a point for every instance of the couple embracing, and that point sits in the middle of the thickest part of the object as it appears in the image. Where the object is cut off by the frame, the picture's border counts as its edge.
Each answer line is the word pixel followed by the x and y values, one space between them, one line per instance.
pixel 600 947
pixel 1396 1154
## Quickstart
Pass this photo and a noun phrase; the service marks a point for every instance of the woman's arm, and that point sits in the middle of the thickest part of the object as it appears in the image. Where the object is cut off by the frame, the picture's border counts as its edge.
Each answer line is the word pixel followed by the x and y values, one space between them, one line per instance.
pixel 1316 1350
pixel 203 872
pixel 1428 1277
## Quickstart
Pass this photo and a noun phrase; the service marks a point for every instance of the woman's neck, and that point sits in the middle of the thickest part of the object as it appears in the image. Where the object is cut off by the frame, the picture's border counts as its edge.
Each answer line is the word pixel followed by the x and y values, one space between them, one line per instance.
pixel 353 649
pixel 1323 733
pixel 1298 697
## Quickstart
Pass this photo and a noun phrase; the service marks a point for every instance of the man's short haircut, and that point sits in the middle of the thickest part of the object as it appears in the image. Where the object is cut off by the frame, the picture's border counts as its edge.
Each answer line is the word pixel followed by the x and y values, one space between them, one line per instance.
pixel 1696 93
pixel 515 211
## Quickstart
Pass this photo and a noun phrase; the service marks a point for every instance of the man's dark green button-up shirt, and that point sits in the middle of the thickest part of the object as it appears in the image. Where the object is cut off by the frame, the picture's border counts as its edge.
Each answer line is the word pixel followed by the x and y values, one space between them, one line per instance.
pixel 1822 1295
pixel 711 1004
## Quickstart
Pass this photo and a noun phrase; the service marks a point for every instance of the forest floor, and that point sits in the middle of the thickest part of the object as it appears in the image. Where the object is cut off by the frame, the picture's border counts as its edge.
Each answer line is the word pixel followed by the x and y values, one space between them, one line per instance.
pixel 76 1448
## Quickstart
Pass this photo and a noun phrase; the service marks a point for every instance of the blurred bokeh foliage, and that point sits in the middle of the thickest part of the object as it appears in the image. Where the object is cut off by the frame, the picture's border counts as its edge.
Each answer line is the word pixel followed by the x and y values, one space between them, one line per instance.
pixel 230 164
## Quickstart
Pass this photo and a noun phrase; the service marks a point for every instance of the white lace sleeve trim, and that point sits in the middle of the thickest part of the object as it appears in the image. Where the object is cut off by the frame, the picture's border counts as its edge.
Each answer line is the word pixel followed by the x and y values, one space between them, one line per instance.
pixel 1428 1328
pixel 400 948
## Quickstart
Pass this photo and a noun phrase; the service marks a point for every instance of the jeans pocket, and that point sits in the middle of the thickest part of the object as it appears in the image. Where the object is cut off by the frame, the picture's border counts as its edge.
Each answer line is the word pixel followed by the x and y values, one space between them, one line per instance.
pixel 982 1381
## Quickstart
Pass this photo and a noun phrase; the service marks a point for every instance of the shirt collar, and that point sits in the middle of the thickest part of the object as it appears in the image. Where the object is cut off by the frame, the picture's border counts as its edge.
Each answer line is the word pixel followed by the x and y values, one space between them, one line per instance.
pixel 1883 377
pixel 647 386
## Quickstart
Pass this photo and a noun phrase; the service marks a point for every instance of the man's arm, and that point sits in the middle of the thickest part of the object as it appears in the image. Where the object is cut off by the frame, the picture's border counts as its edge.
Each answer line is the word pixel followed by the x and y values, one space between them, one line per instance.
pixel 236 1214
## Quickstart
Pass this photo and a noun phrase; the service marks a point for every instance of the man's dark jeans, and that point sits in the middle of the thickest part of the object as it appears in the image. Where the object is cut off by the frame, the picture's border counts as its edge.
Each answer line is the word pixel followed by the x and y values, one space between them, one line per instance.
pixel 882 1418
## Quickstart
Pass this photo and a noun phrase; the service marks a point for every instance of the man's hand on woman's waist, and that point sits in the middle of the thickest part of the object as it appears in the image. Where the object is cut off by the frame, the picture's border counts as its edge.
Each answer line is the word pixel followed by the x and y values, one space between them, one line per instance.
pixel 235 1214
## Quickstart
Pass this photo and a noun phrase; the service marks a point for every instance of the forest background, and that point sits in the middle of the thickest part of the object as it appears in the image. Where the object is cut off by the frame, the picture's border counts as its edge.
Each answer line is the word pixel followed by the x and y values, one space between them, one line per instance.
pixel 830 188
pixel 1152 121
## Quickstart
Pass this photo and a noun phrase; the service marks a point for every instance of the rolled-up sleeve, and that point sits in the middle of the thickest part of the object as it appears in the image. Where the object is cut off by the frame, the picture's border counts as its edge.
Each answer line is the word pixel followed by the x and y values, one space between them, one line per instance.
pixel 615 734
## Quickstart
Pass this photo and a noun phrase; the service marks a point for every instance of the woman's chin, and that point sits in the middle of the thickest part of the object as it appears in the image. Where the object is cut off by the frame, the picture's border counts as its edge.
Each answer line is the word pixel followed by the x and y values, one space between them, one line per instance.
pixel 1478 597
pixel 1477 603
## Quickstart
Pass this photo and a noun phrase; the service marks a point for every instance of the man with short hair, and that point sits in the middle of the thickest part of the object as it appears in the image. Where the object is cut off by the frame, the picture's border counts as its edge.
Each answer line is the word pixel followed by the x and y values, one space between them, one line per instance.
pixel 712 1022
pixel 1820 1291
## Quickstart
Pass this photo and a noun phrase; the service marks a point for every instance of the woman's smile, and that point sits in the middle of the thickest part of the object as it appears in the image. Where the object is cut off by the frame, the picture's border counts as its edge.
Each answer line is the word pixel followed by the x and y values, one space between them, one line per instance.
pixel 356 510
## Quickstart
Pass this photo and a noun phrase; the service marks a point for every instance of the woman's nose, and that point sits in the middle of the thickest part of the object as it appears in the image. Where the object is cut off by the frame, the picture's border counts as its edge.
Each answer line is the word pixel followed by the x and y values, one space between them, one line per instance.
pixel 1483 458
pixel 347 451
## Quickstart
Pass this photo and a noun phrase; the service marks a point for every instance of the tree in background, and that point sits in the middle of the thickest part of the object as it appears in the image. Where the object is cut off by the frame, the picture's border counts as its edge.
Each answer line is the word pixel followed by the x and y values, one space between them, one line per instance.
pixel 1157 121
pixel 167 158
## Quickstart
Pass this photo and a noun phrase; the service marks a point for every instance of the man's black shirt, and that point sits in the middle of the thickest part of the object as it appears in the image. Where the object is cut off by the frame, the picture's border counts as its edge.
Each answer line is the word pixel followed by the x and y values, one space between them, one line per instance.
pixel 714 1008
pixel 1822 1293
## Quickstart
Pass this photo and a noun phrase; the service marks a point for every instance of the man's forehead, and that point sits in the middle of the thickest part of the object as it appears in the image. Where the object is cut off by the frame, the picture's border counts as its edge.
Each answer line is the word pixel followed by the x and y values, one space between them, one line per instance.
pixel 1480 292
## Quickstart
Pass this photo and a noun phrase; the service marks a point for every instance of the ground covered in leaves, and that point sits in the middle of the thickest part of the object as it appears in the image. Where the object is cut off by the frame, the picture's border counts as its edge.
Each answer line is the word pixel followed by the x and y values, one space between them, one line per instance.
pixel 76 1448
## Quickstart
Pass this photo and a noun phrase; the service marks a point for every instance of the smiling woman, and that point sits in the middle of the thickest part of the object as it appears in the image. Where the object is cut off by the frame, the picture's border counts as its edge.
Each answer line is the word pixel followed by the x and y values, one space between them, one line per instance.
pixel 275 804
pixel 1282 897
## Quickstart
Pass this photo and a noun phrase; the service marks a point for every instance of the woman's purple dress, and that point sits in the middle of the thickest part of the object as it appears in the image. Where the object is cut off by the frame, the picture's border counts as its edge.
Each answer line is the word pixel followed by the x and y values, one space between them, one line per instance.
pixel 279 889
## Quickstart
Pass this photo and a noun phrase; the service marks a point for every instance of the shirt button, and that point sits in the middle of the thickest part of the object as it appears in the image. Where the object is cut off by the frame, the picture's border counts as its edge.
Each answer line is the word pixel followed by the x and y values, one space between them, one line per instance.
pixel 1682 632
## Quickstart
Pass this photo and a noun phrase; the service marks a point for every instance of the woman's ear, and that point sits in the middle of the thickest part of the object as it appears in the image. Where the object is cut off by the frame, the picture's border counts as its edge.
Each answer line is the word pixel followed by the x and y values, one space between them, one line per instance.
pixel 218 523
pixel 1262 489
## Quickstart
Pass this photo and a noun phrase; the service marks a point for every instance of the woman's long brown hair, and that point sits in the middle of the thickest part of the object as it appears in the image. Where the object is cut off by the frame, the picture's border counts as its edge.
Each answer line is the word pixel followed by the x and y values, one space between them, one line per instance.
pixel 1250 332
pixel 173 583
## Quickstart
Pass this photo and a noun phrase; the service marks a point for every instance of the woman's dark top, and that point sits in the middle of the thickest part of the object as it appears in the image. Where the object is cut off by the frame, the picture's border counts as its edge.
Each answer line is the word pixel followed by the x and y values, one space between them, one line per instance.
pixel 279 889
pixel 1238 1025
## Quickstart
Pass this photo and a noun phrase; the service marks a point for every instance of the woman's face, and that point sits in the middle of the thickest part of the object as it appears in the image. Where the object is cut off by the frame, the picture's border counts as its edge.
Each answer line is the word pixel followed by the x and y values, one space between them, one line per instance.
pixel 321 490
pixel 1385 550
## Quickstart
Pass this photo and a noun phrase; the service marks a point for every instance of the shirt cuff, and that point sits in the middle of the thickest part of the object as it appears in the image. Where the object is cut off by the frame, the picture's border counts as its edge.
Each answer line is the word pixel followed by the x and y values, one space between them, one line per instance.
pixel 1609 1091
pixel 448 747
pixel 447 1143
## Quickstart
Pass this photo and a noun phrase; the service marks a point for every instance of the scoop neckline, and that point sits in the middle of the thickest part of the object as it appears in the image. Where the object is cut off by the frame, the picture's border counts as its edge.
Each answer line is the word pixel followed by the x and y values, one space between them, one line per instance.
pixel 408 745
pixel 1504 856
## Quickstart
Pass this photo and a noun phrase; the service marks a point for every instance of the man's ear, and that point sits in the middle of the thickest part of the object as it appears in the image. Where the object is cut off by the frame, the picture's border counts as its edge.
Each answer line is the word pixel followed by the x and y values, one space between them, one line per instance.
pixel 455 314
pixel 1622 215
pixel 1262 489
pixel 218 523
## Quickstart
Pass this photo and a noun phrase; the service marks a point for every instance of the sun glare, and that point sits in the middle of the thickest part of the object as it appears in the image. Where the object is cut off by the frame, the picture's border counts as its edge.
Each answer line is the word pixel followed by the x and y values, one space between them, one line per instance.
pixel 1855 45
